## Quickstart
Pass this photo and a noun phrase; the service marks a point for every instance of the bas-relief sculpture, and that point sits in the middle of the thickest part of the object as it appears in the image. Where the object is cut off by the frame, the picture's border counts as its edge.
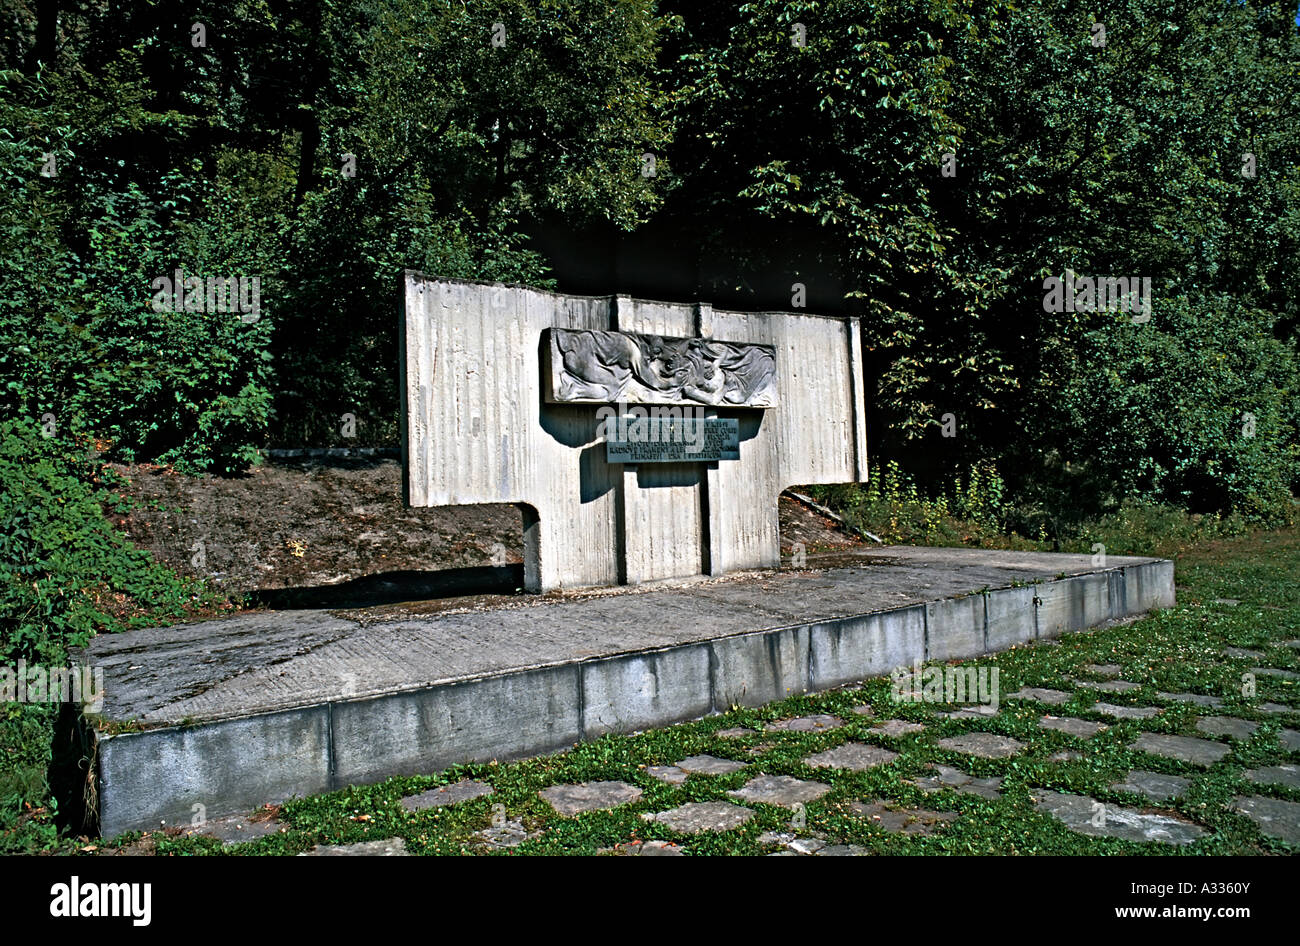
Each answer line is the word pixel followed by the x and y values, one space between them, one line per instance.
pixel 606 367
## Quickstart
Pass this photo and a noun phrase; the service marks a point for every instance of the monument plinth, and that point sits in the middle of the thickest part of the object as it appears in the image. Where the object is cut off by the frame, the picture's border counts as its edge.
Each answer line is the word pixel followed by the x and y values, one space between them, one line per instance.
pixel 644 440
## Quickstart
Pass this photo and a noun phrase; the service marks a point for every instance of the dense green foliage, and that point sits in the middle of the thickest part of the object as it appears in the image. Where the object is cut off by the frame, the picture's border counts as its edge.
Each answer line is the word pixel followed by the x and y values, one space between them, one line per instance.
pixel 325 147
pixel 66 572
pixel 1124 159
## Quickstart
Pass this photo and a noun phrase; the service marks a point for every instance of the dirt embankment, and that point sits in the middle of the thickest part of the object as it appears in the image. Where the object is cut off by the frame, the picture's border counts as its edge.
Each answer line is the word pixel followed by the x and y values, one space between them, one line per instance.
pixel 335 532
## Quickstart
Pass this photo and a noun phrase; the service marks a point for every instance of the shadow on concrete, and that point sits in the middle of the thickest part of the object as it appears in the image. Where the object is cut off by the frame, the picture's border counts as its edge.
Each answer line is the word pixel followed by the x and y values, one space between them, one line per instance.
pixel 394 587
pixel 71 773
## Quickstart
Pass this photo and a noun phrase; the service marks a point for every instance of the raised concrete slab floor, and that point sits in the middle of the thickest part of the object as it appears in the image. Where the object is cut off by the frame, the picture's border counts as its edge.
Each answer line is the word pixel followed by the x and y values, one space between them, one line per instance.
pixel 243 711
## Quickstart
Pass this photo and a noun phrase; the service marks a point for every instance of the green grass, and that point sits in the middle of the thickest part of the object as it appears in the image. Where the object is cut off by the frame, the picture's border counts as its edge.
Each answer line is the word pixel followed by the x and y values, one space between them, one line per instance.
pixel 1176 650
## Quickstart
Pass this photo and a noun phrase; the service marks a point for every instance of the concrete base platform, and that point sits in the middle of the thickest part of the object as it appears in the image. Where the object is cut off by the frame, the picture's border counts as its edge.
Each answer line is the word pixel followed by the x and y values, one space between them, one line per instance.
pixel 235 713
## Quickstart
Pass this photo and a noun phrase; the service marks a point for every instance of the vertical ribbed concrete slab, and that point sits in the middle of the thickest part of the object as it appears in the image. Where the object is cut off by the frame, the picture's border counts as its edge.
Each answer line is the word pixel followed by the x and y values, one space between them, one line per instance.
pixel 1012 617
pixel 1149 586
pixel 1072 604
pixel 753 669
pixel 478 428
pixel 663 531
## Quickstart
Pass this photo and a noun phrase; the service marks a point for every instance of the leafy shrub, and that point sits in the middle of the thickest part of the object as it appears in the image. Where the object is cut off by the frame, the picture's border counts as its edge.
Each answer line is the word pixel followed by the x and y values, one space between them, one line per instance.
pixel 65 572
pixel 972 510
pixel 893 507
pixel 78 336
pixel 338 350
pixel 1198 408
pixel 1146 529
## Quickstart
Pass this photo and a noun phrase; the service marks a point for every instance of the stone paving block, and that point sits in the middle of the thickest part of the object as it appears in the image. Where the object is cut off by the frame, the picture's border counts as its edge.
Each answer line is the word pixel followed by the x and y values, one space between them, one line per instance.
pixel 854 756
pixel 735 732
pixel 807 846
pixel 1079 728
pixel 1290 740
pixel 464 790
pixel 1285 775
pixel 509 833
pixel 1276 708
pixel 864 710
pixel 589 796
pixel 810 847
pixel 897 727
pixel 1066 755
pixel 983 744
pixel 1275 672
pixel 816 723
pixel 1294 645
pixel 947 777
pixel 699 816
pixel 1227 726
pixel 1042 695
pixel 895 818
pixel 709 765
pixel 1126 712
pixel 647 849
pixel 1242 652
pixel 1200 752
pixel 1199 699
pixel 667 773
pixel 236 829
pixel 1274 817
pixel 969 712
pixel 1154 785
pixel 390 847
pixel 1110 686
pixel 1102 670
pixel 783 790
pixel 1088 816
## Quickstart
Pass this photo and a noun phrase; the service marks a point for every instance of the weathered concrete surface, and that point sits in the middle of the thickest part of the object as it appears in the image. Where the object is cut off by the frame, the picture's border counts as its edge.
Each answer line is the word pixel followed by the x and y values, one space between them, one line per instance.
pixel 784 790
pixel 1154 785
pixel 1086 816
pixel 871 618
pixel 698 817
pixel 464 790
pixel 947 777
pixel 256 708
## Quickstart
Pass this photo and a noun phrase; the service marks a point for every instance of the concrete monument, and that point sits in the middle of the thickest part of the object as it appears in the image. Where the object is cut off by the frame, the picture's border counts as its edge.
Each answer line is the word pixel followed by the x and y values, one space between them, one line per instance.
pixel 642 440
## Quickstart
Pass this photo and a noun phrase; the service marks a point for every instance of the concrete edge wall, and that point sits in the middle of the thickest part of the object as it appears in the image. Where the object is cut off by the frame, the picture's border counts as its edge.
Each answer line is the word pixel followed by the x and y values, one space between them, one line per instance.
pixel 236 765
